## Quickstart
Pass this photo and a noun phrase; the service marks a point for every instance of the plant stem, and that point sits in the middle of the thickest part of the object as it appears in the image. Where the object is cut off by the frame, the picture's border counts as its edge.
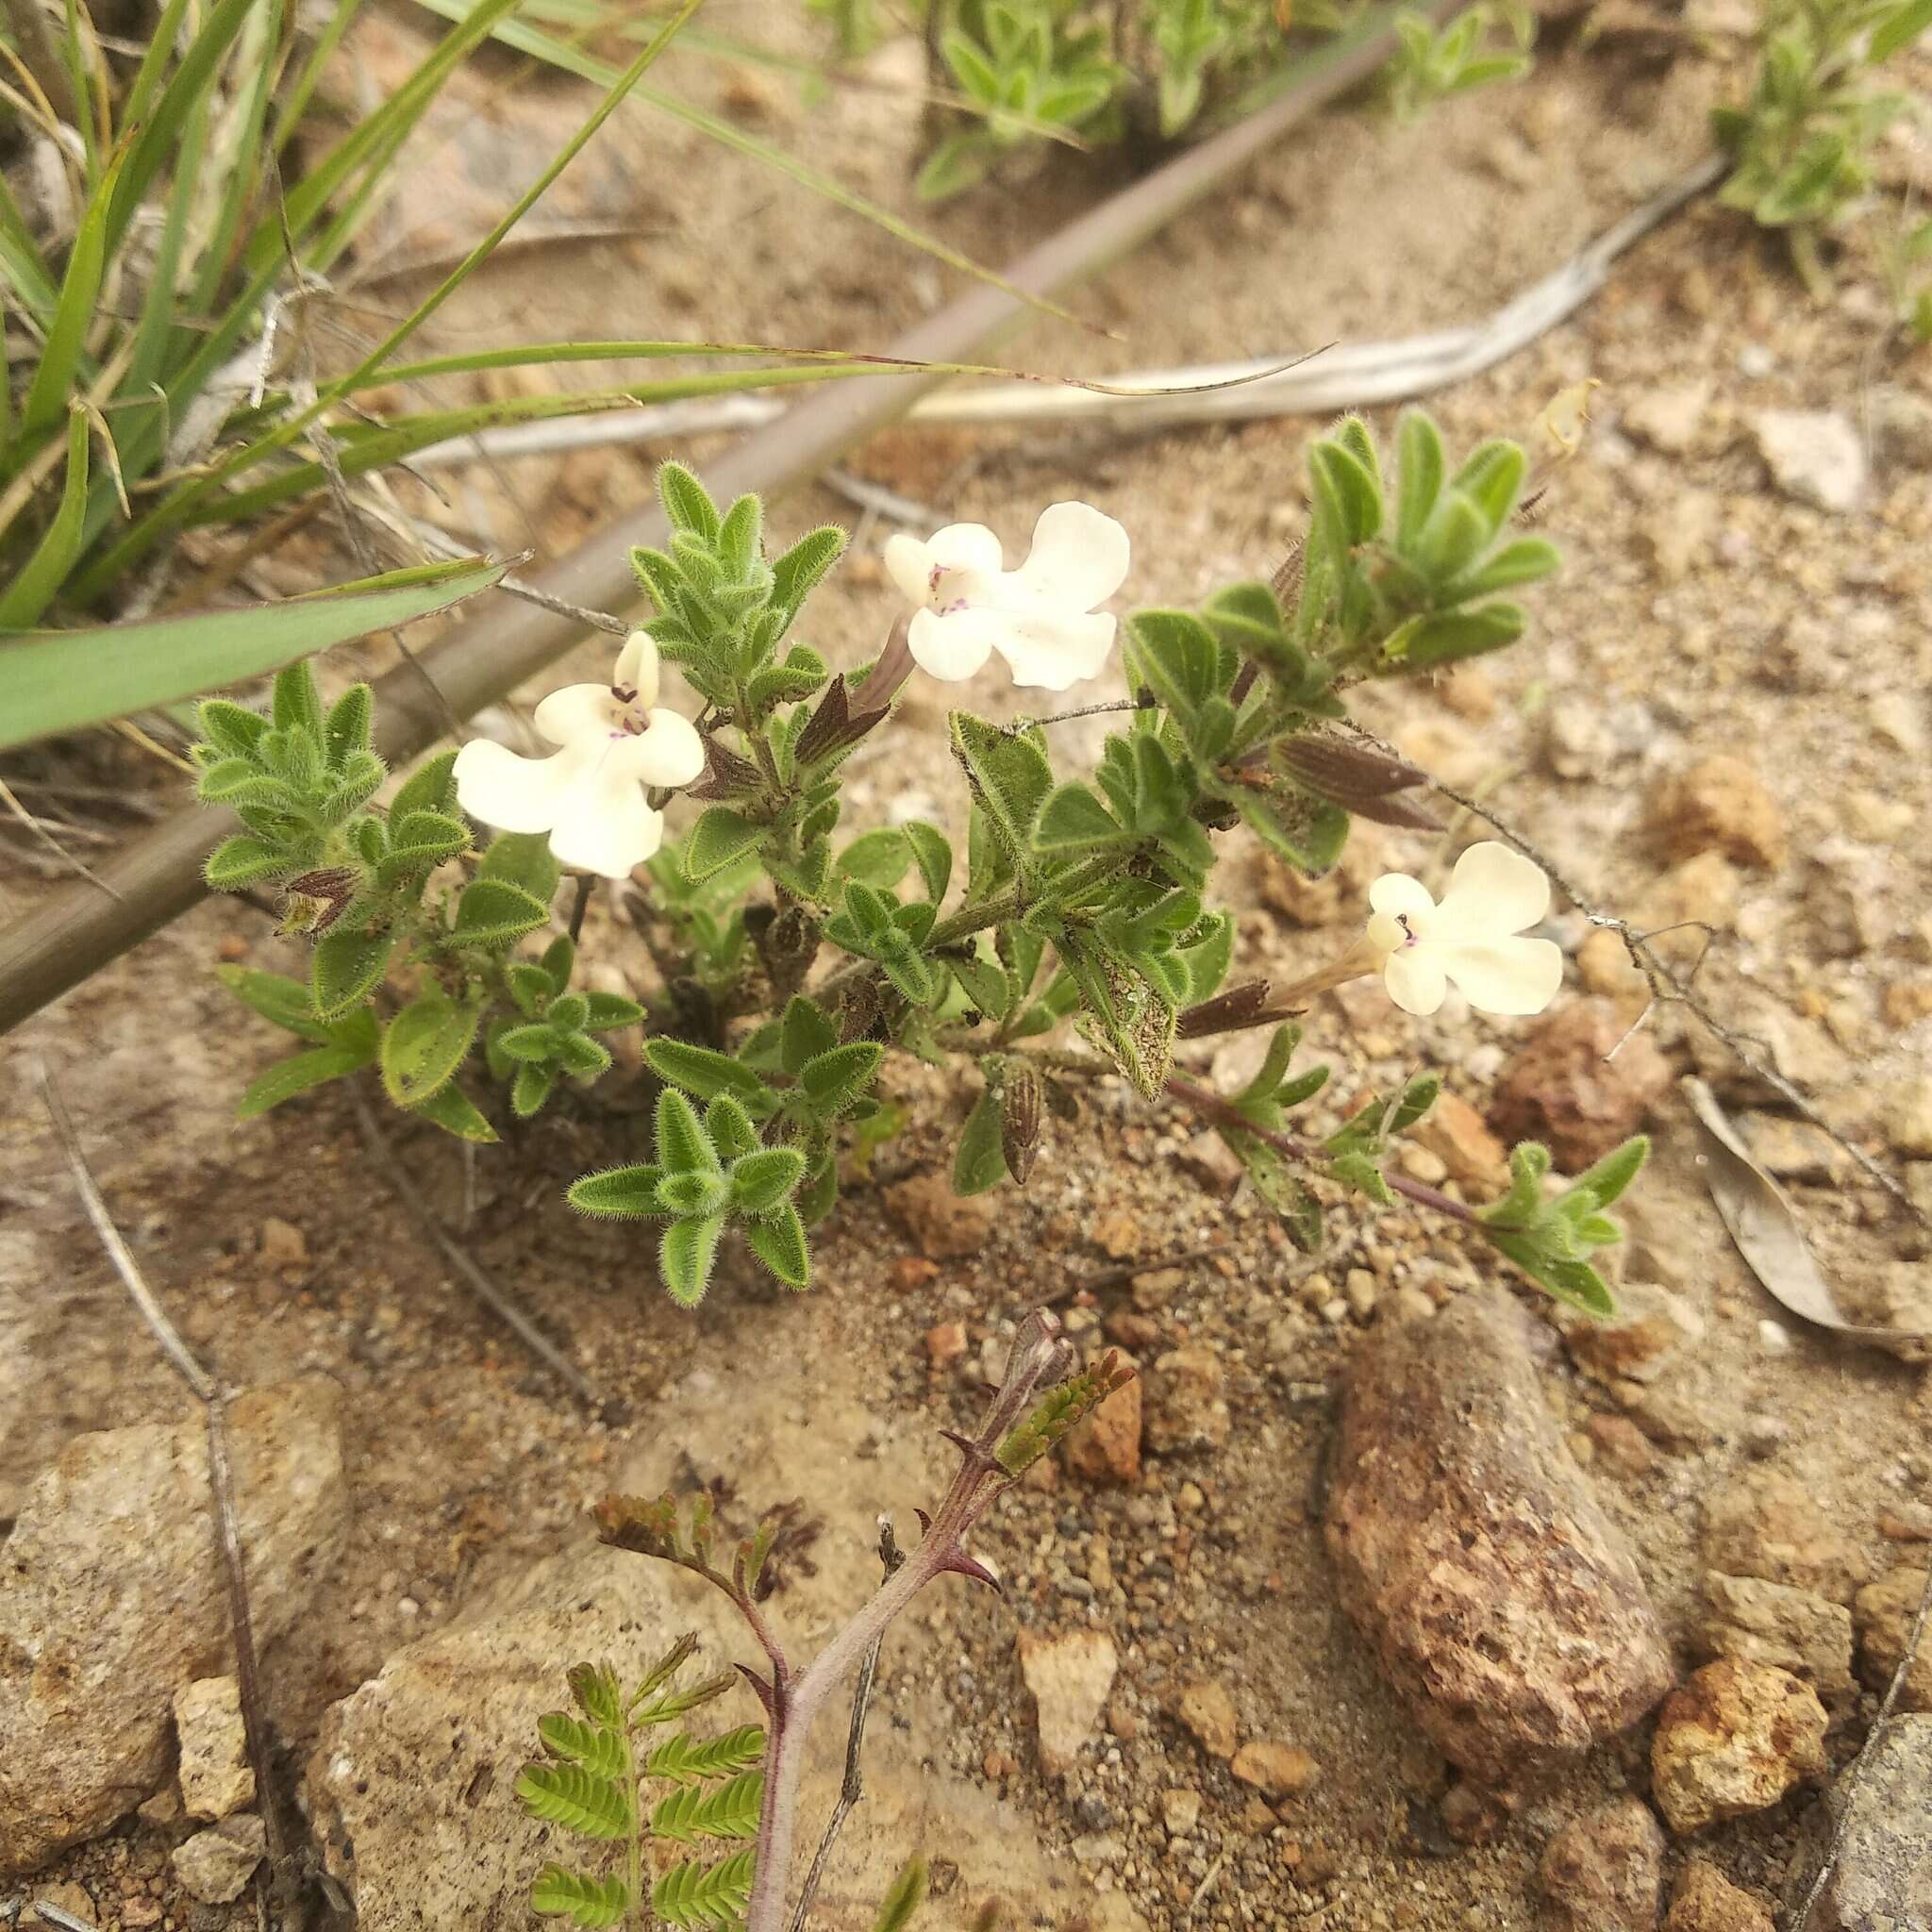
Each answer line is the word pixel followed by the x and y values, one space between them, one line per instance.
pixel 1212 1107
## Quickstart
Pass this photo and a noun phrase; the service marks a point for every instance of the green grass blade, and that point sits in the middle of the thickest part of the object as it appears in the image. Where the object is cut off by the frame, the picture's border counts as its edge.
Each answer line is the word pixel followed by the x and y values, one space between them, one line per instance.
pixel 19 258
pixel 294 104
pixel 152 70
pixel 54 681
pixel 237 167
pixel 546 47
pixel 63 359
pixel 360 448
pixel 380 134
pixel 154 333
pixel 155 138
pixel 187 504
pixel 74 57
pixel 45 572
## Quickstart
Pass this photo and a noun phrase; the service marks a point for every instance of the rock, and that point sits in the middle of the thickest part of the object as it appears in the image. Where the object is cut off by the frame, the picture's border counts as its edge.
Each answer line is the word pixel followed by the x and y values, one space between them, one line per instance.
pixel 945 1226
pixel 283 1244
pixel 1208 1712
pixel 1277 1771
pixel 1455 1132
pixel 1604 1872
pixel 1470 1551
pixel 410 1785
pixel 1558 1089
pixel 1882 1878
pixel 1668 418
pixel 1180 1810
pixel 1069 1677
pixel 1621 1443
pixel 1906 1116
pixel 216 1777
pixel 216 1865
pixel 1734 1739
pixel 1604 965
pixel 1814 456
pixel 1342 893
pixel 1105 1448
pixel 1707 1901
pixel 946 1342
pixel 112 1597
pixel 67 1897
pixel 1790 1149
pixel 1901 425
pixel 1720 805
pixel 1636 1345
pixel 1184 1407
pixel 1884 1612
pixel 1584 738
pixel 1214 1162
pixel 1904 1302
pixel 1765 1525
pixel 1753 1622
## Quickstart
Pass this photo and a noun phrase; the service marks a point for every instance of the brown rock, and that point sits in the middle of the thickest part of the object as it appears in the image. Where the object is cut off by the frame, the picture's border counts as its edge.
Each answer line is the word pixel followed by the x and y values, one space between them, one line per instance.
pixel 1639 1341
pixel 1758 1622
pixel 283 1244
pixel 112 1597
pixel 1339 893
pixel 1621 1443
pixel 1603 964
pixel 1208 1712
pixel 1457 1134
pixel 1504 1606
pixel 1105 1448
pixel 946 1342
pixel 945 1226
pixel 1069 1677
pixel 1720 805
pixel 215 1775
pixel 1707 1901
pixel 1277 1771
pixel 1184 1407
pixel 1734 1739
pixel 1683 910
pixel 215 1865
pixel 1883 1878
pixel 1604 1872
pixel 1884 1612
pixel 1765 1525
pixel 1560 1089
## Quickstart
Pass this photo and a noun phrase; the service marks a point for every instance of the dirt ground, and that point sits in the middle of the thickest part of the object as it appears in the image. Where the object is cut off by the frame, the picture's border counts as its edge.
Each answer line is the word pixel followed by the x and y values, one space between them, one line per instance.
pixel 1700 611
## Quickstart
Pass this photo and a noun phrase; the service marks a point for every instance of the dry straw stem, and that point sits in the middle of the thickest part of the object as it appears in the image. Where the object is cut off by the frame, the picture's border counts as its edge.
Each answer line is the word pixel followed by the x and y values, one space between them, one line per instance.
pixel 481 659
pixel 208 1391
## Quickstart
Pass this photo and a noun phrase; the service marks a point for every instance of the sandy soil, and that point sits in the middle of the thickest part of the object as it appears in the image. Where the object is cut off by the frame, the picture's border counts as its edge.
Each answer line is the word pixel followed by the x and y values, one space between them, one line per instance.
pixel 1700 611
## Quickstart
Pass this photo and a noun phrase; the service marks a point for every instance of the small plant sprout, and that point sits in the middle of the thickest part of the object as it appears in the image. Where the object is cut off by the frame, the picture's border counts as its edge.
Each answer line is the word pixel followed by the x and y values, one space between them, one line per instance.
pixel 588 795
pixel 1041 1398
pixel 1070 935
pixel 1041 618
pixel 1470 939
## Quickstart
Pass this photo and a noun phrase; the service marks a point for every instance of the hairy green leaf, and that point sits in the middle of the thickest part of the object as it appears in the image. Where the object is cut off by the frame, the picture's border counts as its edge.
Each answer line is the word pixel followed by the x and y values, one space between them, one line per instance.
pixel 568 1795
pixel 695 1811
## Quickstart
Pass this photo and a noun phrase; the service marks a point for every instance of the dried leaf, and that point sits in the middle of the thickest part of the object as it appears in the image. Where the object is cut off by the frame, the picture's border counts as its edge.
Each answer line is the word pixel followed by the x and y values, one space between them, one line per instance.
pixel 1765 1226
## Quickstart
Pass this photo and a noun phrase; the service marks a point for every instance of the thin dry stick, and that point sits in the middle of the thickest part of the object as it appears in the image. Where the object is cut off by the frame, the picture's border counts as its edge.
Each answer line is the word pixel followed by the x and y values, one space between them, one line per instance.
pixel 853 1786
pixel 1822 1878
pixel 478 1283
pixel 208 1391
pixel 39 829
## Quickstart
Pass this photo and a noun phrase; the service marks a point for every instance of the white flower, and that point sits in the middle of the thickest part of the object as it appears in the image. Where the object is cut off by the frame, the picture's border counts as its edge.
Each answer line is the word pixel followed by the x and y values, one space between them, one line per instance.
pixel 1039 618
pixel 1493 895
pixel 588 794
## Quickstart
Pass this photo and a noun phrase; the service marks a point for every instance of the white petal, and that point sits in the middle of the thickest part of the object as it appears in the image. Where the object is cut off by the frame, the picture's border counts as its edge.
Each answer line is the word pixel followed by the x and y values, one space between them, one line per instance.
pixel 670 751
pixel 1415 980
pixel 910 564
pixel 955 645
pixel 1397 894
pixel 605 825
pixel 1079 556
pixel 1493 889
pixel 1385 934
pixel 577 712
pixel 1051 651
pixel 970 548
pixel 637 667
pixel 1508 975
pixel 513 793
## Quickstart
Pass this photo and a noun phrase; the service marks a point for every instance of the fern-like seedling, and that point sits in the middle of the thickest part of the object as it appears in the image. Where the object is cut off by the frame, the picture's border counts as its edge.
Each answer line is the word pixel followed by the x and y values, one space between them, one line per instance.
pixel 590 1779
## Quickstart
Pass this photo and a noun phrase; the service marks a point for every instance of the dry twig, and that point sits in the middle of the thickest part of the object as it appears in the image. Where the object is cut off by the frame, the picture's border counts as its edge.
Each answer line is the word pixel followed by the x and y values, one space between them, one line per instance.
pixel 208 1391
